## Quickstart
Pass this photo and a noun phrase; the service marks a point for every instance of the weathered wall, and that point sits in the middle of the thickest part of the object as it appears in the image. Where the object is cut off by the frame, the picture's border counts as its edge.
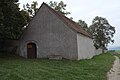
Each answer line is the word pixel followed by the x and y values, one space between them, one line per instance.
pixel 85 47
pixel 98 51
pixel 9 45
pixel 51 36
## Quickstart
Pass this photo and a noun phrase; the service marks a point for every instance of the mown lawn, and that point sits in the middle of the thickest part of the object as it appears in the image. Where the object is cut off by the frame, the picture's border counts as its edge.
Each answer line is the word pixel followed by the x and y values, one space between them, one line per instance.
pixel 17 68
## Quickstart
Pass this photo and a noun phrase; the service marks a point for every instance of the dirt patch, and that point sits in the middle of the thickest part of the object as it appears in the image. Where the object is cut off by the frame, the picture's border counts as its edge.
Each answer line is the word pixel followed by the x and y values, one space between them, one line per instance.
pixel 114 73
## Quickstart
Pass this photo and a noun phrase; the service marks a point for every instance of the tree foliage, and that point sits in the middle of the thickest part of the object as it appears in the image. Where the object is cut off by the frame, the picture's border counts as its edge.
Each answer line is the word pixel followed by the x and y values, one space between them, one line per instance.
pixel 26 17
pixel 84 25
pixel 11 20
pixel 102 32
pixel 31 9
pixel 60 7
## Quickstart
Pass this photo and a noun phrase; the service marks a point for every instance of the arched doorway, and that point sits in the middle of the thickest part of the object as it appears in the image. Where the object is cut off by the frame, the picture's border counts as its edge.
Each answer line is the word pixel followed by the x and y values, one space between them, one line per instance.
pixel 31 50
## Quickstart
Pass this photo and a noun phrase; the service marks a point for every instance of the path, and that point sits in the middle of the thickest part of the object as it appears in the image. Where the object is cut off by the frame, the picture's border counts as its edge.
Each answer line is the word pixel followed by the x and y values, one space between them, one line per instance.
pixel 114 73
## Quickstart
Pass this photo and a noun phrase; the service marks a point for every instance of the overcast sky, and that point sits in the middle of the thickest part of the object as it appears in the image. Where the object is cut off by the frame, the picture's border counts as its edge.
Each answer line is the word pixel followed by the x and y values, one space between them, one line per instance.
pixel 88 9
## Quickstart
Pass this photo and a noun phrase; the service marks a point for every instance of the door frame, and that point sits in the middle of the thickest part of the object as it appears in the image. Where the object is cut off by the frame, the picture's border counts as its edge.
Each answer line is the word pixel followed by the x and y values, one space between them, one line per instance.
pixel 27 48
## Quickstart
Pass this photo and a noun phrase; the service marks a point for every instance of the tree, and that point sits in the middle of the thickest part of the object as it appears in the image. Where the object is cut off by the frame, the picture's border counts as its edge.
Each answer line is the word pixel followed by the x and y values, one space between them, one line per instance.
pixel 60 7
pixel 83 24
pixel 31 9
pixel 11 20
pixel 102 32
pixel 26 17
pixel 28 11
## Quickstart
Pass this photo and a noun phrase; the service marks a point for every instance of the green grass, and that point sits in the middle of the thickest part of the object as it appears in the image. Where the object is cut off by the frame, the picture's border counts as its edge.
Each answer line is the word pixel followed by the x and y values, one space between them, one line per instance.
pixel 117 50
pixel 17 68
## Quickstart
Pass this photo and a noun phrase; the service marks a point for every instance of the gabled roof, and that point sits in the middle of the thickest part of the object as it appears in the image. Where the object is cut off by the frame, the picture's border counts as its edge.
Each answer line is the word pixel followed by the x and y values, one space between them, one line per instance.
pixel 69 22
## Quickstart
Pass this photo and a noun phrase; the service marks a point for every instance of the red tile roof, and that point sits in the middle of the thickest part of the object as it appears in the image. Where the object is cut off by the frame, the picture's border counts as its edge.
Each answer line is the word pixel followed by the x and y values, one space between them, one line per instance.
pixel 69 22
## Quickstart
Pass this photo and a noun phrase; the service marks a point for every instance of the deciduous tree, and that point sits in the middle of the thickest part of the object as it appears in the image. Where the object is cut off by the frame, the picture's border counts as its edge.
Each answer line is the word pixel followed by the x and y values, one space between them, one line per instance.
pixel 84 25
pixel 31 9
pixel 102 32
pixel 60 7
pixel 11 20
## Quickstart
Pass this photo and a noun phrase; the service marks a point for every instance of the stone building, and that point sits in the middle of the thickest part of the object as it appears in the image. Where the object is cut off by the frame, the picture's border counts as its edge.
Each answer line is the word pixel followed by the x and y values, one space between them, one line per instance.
pixel 50 34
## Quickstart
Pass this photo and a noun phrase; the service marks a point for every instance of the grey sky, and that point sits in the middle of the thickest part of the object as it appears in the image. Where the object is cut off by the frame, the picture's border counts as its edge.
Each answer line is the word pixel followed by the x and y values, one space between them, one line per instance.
pixel 88 9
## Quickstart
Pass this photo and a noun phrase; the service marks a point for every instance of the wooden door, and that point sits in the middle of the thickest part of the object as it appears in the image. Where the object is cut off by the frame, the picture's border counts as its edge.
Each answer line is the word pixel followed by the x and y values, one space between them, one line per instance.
pixel 31 50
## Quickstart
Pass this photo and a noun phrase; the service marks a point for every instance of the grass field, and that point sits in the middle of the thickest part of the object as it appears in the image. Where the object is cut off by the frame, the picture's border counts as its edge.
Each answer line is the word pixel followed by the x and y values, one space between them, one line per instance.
pixel 17 68
pixel 117 50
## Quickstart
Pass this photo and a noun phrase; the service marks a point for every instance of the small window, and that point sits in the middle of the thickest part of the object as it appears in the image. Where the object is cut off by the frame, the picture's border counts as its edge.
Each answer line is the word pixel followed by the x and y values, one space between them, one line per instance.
pixel 29 46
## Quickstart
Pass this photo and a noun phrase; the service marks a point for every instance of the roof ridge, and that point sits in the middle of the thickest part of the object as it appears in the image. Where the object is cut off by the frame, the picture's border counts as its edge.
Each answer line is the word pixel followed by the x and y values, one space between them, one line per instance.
pixel 79 27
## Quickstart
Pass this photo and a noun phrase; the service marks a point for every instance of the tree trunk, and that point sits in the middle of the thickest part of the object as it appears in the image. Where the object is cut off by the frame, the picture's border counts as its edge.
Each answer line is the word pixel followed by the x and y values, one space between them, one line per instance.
pixel 103 49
